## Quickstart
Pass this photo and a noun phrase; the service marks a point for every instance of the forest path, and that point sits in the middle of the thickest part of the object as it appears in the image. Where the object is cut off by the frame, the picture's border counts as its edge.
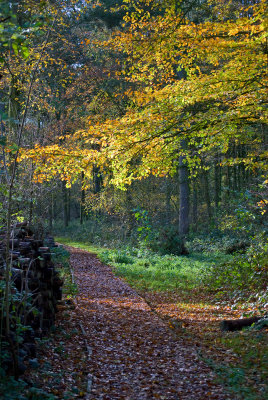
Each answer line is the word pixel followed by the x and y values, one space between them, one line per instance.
pixel 135 355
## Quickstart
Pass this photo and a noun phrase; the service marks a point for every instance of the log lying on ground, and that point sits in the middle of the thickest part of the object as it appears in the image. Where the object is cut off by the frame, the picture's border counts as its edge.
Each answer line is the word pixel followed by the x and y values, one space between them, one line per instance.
pixel 230 325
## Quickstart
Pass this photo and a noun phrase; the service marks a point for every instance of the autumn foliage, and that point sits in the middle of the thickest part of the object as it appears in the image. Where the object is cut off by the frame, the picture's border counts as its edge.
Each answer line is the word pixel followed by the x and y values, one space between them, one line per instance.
pixel 200 82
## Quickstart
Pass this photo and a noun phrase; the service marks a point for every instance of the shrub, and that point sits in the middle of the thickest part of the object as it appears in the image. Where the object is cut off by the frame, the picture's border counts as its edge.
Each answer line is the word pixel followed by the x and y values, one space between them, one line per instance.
pixel 116 256
pixel 168 241
pixel 243 275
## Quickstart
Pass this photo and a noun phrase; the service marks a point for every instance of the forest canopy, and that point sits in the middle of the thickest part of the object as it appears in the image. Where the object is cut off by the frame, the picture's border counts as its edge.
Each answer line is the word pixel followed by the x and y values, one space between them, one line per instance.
pixel 103 94
pixel 201 83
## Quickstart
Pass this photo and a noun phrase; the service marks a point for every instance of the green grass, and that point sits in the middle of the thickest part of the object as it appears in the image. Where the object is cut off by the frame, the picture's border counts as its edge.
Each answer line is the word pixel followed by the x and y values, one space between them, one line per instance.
pixel 155 272
pixel 78 244
pixel 239 279
pixel 61 258
pixel 246 380
pixel 149 271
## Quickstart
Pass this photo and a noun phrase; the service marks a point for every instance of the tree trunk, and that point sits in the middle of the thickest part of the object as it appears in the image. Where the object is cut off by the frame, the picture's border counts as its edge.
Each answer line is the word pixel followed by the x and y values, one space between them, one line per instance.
pixel 82 200
pixel 207 194
pixel 238 324
pixel 217 182
pixel 130 218
pixel 168 204
pixel 31 194
pixel 184 194
pixel 65 204
pixel 69 204
pixel 195 205
pixel 97 179
pixel 50 210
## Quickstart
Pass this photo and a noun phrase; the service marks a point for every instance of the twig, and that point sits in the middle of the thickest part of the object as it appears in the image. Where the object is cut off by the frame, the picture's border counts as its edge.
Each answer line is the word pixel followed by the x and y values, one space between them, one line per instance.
pixel 89 354
pixel 89 350
pixel 89 386
pixel 72 274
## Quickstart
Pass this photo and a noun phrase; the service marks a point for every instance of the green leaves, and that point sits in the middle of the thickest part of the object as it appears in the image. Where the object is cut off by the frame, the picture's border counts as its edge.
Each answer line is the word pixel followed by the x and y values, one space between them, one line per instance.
pixel 15 47
pixel 13 148
pixel 19 46
pixel 3 140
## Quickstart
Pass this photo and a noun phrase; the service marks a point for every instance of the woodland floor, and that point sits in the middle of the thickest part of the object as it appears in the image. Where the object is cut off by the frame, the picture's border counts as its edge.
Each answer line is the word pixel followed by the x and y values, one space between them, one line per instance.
pixel 127 351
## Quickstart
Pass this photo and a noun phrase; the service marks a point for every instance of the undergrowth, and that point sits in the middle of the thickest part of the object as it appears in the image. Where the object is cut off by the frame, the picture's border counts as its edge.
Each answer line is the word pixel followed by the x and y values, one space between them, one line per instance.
pixel 61 258
pixel 11 389
pixel 147 270
pixel 247 379
pixel 239 279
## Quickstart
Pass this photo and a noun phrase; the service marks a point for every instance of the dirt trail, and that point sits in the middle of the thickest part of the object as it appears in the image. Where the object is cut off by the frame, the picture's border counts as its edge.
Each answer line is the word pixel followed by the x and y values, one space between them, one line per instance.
pixel 135 355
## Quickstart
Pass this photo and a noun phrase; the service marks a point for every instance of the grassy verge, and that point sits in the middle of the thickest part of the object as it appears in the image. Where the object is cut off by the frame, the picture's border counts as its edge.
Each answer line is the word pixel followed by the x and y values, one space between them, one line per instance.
pixel 193 294
pixel 146 270
pixel 79 244
pixel 61 258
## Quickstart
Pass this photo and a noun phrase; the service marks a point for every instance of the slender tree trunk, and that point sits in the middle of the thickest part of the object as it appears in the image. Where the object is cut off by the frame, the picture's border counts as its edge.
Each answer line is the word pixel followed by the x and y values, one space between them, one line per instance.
pixel 235 186
pixel 31 196
pixel 168 204
pixel 82 200
pixel 69 204
pixel 217 182
pixel 228 181
pixel 234 169
pixel 129 208
pixel 184 205
pixel 195 204
pixel 207 194
pixel 31 208
pixel 8 261
pixel 97 179
pixel 50 210
pixel 65 204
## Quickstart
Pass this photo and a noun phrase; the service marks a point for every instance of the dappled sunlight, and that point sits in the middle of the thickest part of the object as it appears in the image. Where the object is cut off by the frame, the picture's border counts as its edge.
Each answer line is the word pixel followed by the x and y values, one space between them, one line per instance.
pixel 195 312
pixel 120 302
pixel 123 331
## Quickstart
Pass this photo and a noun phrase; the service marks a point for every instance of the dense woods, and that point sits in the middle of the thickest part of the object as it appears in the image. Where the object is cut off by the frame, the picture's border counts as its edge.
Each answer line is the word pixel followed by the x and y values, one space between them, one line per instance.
pixel 138 127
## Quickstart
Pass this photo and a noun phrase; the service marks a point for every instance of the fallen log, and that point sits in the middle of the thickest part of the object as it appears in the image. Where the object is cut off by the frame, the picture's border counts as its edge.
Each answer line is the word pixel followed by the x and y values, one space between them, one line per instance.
pixel 230 325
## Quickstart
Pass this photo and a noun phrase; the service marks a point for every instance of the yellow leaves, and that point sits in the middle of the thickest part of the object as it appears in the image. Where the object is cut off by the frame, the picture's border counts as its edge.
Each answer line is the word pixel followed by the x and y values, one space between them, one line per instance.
pixel 224 84
pixel 65 162
pixel 263 205
pixel 234 30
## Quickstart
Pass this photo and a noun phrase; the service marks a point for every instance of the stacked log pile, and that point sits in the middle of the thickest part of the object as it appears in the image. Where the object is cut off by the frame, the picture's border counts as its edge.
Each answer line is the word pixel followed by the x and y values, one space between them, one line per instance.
pixel 36 287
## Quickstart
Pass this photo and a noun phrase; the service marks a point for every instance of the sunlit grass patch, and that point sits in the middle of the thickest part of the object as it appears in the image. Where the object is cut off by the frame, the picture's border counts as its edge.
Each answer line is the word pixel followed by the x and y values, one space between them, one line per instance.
pixel 155 272
pixel 80 245
pixel 150 271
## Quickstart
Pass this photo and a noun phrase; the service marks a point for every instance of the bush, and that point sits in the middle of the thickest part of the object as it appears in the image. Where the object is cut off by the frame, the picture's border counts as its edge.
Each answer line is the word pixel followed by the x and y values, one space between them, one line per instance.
pixel 243 275
pixel 116 256
pixel 168 241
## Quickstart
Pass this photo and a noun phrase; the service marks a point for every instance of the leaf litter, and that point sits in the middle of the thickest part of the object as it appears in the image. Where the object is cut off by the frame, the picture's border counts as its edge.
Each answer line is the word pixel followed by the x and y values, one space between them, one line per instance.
pixel 136 354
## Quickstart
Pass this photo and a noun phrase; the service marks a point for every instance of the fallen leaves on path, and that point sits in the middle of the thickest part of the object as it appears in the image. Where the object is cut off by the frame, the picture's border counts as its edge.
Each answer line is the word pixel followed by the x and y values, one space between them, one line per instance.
pixel 135 355
pixel 197 321
pixel 62 359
